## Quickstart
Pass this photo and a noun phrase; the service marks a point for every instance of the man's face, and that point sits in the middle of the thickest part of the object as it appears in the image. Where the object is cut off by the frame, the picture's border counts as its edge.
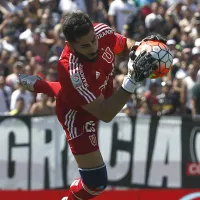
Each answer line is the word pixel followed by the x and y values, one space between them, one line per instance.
pixel 196 59
pixel 165 89
pixel 86 47
pixel 36 37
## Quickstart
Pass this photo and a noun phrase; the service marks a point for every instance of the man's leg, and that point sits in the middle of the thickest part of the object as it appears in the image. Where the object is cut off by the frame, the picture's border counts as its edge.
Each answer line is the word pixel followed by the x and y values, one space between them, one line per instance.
pixel 93 173
pixel 34 83
pixel 49 88
pixel 91 166
pixel 92 181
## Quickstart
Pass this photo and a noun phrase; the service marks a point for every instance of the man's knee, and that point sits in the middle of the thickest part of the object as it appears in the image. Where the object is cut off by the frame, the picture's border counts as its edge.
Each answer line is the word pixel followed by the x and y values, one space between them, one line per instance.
pixel 95 179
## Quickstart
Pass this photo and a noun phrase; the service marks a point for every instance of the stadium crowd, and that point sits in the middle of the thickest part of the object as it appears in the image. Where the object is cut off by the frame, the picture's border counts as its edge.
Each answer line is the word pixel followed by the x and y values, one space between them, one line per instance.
pixel 31 42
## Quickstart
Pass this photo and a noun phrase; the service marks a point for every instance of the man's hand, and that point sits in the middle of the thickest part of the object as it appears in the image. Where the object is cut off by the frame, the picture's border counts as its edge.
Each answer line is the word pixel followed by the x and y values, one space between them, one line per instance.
pixel 138 69
pixel 149 38
pixel 155 37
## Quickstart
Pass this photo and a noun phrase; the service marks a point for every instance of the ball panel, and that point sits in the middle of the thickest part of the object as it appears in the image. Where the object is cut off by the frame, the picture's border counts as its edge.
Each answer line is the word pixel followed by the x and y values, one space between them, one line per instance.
pixel 161 53
pixel 154 54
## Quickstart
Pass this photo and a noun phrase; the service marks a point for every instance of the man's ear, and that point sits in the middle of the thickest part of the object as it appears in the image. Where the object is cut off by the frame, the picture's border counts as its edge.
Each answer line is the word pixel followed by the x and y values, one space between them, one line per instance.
pixel 69 45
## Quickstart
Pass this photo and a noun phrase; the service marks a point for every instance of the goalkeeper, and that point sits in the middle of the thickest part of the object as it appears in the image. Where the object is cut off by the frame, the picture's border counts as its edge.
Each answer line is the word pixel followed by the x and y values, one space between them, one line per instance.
pixel 84 93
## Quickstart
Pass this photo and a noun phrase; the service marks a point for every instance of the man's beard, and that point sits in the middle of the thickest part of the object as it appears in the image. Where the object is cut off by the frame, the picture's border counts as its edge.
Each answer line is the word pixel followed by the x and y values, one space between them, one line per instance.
pixel 83 57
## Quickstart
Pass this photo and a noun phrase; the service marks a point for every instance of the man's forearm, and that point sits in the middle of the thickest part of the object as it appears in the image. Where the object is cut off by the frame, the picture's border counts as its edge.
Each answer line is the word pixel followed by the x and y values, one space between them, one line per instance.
pixel 129 44
pixel 112 106
pixel 49 88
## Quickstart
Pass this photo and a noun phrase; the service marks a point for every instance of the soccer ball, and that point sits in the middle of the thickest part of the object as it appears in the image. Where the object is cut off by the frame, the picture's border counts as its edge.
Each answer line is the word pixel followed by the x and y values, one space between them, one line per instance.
pixel 162 55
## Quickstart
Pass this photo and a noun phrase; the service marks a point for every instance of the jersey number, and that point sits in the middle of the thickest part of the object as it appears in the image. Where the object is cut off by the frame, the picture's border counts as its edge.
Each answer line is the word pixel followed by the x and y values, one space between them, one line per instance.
pixel 108 55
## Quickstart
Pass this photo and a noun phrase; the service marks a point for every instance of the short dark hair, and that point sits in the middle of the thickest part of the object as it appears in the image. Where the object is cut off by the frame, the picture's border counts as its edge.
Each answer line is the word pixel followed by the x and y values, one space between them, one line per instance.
pixel 76 25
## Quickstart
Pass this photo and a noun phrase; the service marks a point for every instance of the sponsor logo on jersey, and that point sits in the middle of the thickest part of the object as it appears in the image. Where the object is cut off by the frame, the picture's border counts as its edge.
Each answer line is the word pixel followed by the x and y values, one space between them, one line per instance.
pixel 89 127
pixel 82 75
pixel 78 79
pixel 103 33
pixel 102 29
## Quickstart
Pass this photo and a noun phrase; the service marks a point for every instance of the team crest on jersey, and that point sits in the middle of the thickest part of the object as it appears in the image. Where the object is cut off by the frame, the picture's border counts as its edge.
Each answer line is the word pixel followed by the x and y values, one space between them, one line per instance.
pixel 108 55
pixel 93 139
pixel 76 80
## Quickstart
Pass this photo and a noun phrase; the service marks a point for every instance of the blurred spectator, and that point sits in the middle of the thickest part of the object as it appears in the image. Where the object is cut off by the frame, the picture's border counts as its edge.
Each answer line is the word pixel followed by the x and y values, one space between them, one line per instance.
pixel 118 13
pixel 69 6
pixel 196 58
pixel 30 25
pixel 41 106
pixel 167 101
pixel 175 10
pixel 38 47
pixel 191 5
pixel 189 82
pixel 28 70
pixel 5 94
pixel 143 108
pixel 171 27
pixel 17 69
pixel 187 55
pixel 101 14
pixel 195 100
pixel 6 44
pixel 122 68
pixel 196 28
pixel 186 17
pixel 93 7
pixel 38 65
pixel 118 81
pixel 4 63
pixel 46 29
pixel 154 20
pixel 151 99
pixel 19 107
pixel 53 61
pixel 59 43
pixel 172 46
pixel 50 77
pixel 142 3
pixel 32 8
pixel 25 95
pixel 22 47
pixel 178 91
pixel 135 26
pixel 7 7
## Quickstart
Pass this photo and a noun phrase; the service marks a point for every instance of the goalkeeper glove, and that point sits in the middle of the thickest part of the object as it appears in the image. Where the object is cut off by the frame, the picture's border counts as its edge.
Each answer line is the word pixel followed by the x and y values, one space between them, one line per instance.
pixel 138 69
